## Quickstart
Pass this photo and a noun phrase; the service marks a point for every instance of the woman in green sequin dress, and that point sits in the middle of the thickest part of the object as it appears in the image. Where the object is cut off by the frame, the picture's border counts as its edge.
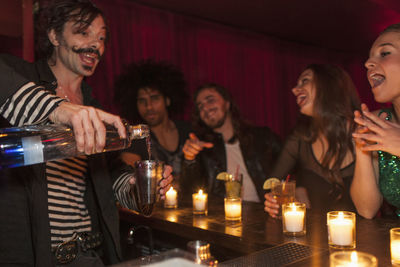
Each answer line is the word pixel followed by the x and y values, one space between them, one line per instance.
pixel 377 171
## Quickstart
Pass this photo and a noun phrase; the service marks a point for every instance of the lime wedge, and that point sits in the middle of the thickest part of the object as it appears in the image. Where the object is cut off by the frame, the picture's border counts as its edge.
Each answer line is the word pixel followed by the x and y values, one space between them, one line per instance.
pixel 224 176
pixel 268 183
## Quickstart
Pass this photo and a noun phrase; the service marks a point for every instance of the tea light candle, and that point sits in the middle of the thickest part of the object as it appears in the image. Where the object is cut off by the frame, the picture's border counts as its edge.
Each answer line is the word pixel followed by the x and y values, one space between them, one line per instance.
pixel 395 250
pixel 294 219
pixel 352 259
pixel 233 208
pixel 341 230
pixel 395 245
pixel 200 202
pixel 171 198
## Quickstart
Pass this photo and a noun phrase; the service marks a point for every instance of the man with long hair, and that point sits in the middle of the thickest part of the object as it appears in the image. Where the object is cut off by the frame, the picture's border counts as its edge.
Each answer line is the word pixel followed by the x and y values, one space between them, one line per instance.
pixel 223 142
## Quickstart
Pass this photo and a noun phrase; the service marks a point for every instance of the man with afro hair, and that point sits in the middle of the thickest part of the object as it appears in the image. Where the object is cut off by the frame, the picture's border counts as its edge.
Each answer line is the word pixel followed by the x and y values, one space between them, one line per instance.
pixel 151 92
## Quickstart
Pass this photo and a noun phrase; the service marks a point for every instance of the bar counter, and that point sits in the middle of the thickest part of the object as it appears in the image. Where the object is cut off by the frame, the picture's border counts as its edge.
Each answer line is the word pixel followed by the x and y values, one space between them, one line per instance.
pixel 258 234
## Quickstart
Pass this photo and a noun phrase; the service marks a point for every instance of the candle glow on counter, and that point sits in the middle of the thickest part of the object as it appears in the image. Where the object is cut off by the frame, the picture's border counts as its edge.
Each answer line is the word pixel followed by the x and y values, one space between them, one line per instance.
pixel 172 218
pixel 235 230
pixel 200 202
pixel 200 222
pixel 171 200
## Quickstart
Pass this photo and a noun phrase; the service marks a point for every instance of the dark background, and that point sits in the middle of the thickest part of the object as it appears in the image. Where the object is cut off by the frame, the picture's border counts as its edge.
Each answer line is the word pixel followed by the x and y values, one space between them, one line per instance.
pixel 255 48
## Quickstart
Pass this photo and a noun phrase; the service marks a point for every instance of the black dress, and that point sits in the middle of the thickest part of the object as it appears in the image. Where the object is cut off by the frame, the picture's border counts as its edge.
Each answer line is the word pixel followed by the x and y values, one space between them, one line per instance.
pixel 297 158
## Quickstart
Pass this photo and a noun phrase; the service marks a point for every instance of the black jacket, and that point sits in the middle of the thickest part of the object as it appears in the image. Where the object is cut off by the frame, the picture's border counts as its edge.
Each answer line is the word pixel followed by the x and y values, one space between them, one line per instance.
pixel 260 147
pixel 24 220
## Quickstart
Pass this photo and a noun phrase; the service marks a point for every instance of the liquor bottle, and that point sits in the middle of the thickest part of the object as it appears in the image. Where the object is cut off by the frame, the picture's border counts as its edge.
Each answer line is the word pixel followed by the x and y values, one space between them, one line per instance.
pixel 20 146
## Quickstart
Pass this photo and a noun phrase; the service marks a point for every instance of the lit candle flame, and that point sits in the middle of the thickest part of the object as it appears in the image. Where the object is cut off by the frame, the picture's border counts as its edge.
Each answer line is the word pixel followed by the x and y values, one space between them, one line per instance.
pixel 200 192
pixel 170 189
pixel 354 258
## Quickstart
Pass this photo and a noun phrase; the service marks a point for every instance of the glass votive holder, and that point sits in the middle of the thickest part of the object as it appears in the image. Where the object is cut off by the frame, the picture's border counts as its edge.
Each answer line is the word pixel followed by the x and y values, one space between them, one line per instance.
pixel 395 246
pixel 352 258
pixel 200 205
pixel 294 218
pixel 171 199
pixel 341 229
pixel 233 209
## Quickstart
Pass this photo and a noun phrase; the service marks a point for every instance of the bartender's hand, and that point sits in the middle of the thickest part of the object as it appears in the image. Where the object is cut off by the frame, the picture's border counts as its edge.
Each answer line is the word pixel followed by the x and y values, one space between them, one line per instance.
pixel 165 183
pixel 193 146
pixel 88 125
pixel 270 205
pixel 381 135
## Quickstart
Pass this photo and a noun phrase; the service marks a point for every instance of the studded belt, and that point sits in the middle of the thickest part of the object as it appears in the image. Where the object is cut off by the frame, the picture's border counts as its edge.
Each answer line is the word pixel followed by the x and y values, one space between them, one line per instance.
pixel 68 251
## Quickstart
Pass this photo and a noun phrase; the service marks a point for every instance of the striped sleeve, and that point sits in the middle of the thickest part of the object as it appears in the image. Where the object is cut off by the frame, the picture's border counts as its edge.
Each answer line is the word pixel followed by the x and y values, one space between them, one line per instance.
pixel 31 104
pixel 124 192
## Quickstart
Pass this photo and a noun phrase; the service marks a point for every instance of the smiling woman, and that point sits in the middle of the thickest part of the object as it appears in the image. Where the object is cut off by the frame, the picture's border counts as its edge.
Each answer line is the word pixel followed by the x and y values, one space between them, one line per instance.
pixel 320 151
pixel 305 92
pixel 378 137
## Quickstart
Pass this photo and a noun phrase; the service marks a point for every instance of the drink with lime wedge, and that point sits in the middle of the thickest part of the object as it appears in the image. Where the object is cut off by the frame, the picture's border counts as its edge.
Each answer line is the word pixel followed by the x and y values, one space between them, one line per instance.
pixel 233 186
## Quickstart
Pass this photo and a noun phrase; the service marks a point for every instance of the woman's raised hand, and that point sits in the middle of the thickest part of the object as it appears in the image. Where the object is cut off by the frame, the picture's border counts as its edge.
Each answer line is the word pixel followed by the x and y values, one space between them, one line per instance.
pixel 376 133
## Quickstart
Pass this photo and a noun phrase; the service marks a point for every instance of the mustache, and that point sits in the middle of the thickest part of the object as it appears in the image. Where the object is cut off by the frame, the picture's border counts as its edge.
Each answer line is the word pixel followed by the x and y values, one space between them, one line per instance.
pixel 87 50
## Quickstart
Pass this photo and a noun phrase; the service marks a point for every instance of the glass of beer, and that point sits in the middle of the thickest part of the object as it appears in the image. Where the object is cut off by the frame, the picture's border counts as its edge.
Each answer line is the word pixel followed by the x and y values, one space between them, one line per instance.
pixel 283 192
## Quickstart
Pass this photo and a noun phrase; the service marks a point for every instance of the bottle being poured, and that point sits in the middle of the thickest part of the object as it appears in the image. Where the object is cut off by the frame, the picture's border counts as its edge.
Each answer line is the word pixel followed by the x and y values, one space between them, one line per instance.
pixel 20 146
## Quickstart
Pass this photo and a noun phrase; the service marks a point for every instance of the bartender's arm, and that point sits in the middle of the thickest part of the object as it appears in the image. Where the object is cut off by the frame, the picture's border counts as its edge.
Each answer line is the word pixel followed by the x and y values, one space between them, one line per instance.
pixel 24 103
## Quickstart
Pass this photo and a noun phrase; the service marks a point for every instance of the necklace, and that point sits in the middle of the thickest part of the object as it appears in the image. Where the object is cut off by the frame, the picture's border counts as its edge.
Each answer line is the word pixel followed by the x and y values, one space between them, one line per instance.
pixel 61 94
pixel 73 98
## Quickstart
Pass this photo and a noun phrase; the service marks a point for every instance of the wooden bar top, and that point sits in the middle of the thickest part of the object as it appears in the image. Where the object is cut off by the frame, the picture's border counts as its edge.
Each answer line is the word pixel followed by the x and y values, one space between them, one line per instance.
pixel 258 231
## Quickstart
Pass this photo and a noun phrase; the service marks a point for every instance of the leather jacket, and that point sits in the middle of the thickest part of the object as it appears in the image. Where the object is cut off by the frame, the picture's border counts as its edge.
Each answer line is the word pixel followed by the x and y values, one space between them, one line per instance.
pixel 260 148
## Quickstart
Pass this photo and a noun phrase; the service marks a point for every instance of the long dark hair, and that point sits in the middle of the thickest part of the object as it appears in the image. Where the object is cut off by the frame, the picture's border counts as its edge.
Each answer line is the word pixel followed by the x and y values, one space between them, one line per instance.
pixel 56 13
pixel 391 28
pixel 200 128
pixel 335 100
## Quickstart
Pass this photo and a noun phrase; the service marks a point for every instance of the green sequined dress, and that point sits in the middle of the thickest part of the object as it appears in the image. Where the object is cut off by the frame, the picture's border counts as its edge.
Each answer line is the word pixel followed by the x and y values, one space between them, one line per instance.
pixel 389 174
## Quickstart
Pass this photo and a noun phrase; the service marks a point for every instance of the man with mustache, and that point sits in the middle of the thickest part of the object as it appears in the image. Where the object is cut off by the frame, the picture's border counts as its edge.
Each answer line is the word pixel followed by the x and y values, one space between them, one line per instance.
pixel 63 212
pixel 223 142
pixel 158 90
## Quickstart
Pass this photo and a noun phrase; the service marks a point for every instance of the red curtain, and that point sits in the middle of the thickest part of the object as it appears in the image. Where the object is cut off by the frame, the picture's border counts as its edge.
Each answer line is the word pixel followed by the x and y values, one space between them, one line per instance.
pixel 258 70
